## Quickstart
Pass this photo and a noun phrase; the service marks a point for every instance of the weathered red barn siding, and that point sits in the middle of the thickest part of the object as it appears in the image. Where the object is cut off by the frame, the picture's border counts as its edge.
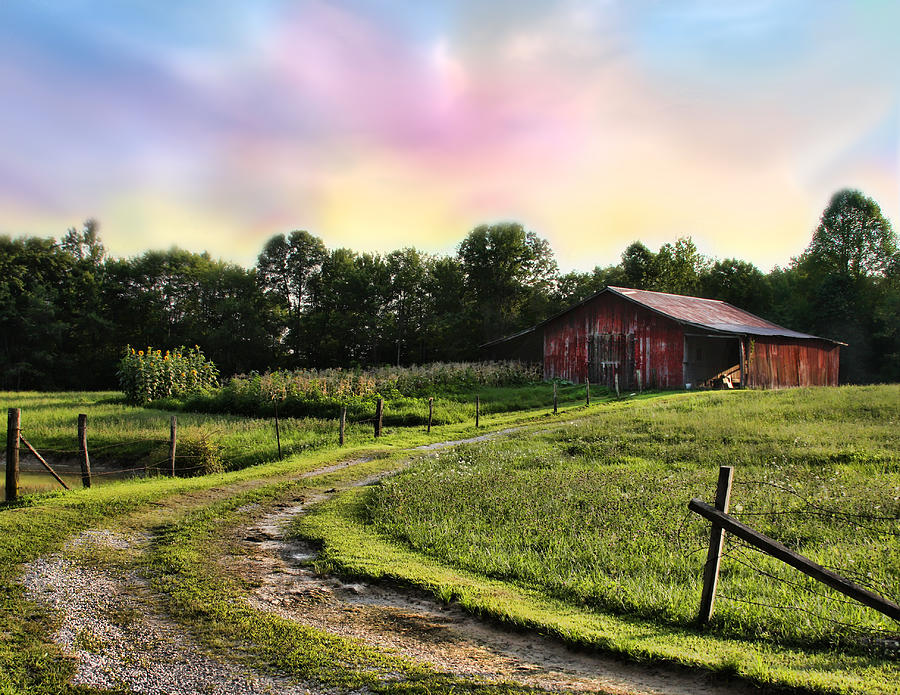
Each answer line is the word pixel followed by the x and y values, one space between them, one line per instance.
pixel 658 342
pixel 779 362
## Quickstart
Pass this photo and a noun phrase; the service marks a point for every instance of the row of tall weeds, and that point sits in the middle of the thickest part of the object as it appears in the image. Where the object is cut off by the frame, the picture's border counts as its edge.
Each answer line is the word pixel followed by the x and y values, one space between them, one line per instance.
pixel 406 390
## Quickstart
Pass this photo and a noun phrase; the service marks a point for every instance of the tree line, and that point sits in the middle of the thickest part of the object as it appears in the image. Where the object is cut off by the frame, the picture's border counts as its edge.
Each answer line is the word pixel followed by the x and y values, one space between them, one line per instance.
pixel 67 308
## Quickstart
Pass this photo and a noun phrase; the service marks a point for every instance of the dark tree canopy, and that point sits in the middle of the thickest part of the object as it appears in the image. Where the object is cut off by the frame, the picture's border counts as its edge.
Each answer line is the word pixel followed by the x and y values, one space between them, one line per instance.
pixel 637 266
pixel 67 309
pixel 504 266
pixel 853 238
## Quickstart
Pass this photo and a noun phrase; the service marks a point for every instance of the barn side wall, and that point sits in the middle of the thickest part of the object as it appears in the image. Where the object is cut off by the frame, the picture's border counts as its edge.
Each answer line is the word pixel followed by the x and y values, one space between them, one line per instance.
pixel 657 347
pixel 785 362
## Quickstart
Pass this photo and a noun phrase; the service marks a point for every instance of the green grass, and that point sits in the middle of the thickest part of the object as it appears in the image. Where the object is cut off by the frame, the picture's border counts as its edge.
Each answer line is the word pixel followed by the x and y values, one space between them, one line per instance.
pixel 40 524
pixel 127 436
pixel 592 516
pixel 578 467
pixel 350 546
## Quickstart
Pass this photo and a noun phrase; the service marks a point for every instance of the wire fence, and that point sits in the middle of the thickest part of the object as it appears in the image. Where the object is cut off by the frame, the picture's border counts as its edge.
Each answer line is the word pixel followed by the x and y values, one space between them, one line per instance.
pixel 800 594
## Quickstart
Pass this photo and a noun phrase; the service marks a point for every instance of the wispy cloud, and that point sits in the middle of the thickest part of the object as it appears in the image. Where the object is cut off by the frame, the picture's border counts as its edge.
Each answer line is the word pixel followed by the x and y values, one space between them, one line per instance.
pixel 215 125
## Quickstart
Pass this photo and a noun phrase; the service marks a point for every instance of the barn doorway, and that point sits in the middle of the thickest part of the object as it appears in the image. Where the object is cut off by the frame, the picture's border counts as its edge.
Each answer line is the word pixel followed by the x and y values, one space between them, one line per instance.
pixel 611 354
pixel 711 361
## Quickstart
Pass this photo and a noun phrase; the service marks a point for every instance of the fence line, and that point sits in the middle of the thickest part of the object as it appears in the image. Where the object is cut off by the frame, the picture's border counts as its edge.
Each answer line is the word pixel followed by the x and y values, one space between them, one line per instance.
pixel 722 522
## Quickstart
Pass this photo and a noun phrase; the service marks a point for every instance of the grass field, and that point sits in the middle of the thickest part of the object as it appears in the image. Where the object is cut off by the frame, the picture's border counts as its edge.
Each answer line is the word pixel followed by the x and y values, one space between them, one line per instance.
pixel 127 436
pixel 592 514
pixel 189 515
pixel 576 526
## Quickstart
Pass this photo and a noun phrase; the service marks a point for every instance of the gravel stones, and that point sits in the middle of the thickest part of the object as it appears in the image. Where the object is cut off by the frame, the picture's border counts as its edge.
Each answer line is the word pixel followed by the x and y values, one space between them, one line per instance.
pixel 121 641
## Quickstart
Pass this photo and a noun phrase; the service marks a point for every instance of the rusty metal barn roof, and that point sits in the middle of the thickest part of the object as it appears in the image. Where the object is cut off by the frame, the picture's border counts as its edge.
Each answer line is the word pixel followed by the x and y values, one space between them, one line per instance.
pixel 712 314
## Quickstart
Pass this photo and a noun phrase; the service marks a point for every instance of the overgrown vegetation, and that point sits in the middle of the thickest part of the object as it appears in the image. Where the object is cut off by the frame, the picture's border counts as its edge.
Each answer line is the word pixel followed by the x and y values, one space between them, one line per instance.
pixel 147 375
pixel 502 386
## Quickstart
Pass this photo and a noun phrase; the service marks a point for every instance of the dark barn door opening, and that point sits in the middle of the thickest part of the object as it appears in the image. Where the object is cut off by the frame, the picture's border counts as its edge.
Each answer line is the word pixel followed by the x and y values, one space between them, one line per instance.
pixel 711 361
pixel 611 354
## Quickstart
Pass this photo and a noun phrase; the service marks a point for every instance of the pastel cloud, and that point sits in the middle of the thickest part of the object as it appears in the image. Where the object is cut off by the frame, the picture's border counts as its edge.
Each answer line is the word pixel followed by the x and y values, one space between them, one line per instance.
pixel 593 123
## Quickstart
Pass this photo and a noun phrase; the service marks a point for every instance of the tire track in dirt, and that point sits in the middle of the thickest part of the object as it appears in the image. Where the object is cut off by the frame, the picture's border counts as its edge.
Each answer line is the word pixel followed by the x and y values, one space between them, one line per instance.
pixel 121 636
pixel 388 615
pixel 121 640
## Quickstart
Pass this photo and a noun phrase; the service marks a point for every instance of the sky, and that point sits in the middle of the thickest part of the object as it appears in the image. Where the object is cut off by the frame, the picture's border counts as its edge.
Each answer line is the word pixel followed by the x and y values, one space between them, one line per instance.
pixel 214 125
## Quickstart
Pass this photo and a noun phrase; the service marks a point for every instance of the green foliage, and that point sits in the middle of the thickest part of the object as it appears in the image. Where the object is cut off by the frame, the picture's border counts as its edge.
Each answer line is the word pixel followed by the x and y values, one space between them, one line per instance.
pixel 505 266
pixel 199 453
pixel 853 238
pixel 66 308
pixel 677 268
pixel 148 375
pixel 504 386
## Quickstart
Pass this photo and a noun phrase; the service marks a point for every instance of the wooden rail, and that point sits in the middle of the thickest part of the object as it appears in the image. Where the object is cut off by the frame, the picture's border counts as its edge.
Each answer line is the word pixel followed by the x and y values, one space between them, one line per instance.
pixel 41 459
pixel 786 555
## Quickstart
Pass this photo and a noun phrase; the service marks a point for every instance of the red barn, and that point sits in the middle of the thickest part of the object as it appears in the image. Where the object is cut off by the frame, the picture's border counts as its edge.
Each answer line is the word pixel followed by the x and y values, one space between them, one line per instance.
pixel 664 341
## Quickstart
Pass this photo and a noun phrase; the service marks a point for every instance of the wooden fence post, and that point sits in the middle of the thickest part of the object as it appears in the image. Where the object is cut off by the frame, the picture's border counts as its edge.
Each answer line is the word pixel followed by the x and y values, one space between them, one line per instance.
pixel 343 425
pixel 82 445
pixel 379 412
pixel 430 412
pixel 555 400
pixel 477 409
pixel 587 391
pixel 173 431
pixel 617 384
pixel 13 428
pixel 277 431
pixel 714 555
pixel 639 381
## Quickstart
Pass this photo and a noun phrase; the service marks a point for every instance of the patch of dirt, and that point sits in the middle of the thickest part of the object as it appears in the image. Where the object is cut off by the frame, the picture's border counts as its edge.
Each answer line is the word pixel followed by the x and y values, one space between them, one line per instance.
pixel 455 442
pixel 120 641
pixel 413 623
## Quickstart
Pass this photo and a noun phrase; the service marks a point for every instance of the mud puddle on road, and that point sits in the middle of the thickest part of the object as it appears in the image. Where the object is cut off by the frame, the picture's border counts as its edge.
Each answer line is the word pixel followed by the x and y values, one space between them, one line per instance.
pixel 413 623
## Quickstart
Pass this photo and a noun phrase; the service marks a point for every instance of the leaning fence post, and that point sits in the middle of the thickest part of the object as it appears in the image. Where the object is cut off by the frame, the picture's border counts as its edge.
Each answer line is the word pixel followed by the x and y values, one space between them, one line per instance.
pixel 379 411
pixel 13 428
pixel 173 431
pixel 82 445
pixel 343 425
pixel 430 412
pixel 477 409
pixel 714 555
pixel 587 391
pixel 555 399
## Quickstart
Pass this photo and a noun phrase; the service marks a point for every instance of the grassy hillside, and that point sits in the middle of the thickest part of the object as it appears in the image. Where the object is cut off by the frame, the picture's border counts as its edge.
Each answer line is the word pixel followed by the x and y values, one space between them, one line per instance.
pixel 593 515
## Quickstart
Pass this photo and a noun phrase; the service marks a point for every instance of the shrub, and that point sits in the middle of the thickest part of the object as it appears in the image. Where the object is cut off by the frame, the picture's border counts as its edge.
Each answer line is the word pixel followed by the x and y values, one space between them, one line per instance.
pixel 197 454
pixel 146 375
